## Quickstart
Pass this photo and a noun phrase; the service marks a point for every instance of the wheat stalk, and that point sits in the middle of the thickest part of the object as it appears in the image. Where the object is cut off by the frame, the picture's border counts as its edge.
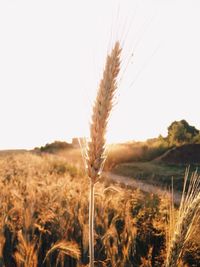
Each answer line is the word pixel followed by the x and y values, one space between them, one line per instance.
pixel 95 154
pixel 188 209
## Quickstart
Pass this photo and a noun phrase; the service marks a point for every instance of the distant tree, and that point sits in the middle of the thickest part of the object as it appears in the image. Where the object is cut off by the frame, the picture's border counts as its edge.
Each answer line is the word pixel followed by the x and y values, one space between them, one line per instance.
pixel 180 133
pixel 55 146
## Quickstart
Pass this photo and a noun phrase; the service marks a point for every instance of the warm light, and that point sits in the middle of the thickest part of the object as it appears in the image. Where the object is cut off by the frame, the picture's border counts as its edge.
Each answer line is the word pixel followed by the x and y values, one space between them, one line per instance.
pixel 52 57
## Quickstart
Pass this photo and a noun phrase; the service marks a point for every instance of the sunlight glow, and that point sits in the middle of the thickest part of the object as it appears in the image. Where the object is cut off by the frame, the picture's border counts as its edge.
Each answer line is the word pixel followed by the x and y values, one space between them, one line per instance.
pixel 52 56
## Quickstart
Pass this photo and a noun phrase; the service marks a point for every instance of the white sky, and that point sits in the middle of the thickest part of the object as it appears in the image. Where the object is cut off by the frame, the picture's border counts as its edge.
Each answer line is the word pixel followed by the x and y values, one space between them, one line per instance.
pixel 52 55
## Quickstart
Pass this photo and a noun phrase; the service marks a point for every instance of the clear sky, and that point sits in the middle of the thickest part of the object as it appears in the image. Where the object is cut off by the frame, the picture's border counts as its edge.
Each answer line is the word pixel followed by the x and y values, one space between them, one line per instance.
pixel 52 55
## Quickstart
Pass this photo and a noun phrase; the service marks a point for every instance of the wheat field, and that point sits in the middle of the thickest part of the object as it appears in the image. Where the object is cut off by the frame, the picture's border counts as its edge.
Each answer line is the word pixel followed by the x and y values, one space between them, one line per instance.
pixel 44 218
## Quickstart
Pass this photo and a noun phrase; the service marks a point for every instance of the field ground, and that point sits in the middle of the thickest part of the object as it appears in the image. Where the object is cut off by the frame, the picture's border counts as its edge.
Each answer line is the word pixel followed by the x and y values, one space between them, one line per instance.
pixel 144 186
pixel 159 174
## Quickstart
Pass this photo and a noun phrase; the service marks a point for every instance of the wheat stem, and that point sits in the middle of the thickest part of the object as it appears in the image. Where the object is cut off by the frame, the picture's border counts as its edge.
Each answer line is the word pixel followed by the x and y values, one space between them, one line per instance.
pixel 95 155
pixel 91 224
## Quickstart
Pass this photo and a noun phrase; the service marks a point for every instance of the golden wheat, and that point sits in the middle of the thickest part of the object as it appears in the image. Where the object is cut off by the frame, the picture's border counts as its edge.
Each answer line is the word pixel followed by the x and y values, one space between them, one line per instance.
pixel 101 111
pixel 65 247
pixel 42 199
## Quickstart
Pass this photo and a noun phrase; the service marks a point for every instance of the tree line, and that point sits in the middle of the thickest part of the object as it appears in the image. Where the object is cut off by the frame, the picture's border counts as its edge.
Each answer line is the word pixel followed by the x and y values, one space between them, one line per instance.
pixel 181 133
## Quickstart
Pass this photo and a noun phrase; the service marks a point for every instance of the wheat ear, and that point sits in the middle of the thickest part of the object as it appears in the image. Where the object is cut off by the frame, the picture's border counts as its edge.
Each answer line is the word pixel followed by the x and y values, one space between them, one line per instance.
pixel 95 155
pixel 190 204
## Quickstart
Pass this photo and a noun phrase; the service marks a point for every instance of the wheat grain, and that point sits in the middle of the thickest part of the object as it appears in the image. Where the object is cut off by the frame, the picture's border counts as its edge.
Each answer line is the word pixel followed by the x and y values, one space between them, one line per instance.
pixel 101 111
pixel 65 247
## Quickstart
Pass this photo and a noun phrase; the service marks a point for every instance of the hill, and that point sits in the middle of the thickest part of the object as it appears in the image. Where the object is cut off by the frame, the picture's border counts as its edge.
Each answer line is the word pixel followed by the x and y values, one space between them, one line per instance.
pixel 186 154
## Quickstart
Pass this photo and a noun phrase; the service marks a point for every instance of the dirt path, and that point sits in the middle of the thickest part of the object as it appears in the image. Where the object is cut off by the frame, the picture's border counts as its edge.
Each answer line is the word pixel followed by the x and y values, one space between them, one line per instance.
pixel 142 186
